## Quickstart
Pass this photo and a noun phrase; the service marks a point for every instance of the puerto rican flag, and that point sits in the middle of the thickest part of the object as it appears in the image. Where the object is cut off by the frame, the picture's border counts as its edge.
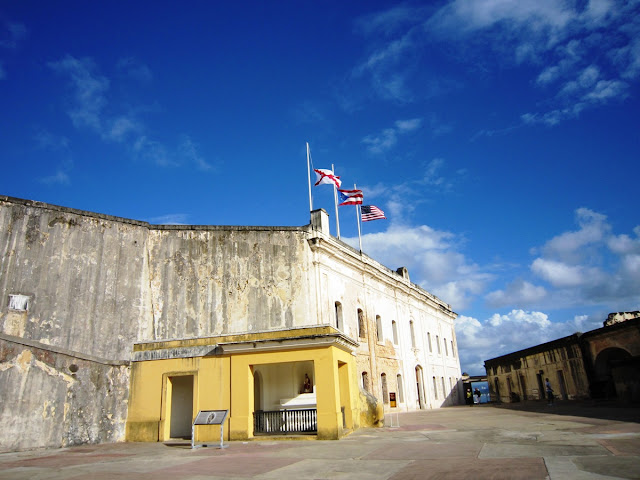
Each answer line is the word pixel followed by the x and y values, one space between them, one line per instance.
pixel 350 197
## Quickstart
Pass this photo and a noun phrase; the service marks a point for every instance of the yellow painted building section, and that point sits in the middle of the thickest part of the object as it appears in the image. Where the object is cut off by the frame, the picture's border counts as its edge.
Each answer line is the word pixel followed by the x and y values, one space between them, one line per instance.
pixel 225 381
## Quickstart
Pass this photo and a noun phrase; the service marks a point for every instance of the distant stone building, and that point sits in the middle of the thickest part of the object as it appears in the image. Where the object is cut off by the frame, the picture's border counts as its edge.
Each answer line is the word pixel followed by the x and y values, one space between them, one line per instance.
pixel 114 329
pixel 601 363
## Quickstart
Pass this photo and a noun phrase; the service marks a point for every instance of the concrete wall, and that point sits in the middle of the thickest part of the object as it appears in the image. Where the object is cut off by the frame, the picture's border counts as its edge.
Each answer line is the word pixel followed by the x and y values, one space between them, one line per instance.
pixel 98 284
pixel 92 285
pixel 561 361
pixel 601 363
pixel 222 280
pixel 84 276
pixel 53 398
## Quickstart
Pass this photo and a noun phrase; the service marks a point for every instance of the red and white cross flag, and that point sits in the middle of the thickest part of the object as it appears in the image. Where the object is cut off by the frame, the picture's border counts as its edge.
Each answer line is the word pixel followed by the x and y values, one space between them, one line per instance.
pixel 326 177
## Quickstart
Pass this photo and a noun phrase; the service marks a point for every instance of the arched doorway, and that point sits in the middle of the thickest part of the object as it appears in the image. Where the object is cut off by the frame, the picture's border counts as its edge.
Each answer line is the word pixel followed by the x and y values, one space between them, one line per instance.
pixel 605 366
pixel 257 391
pixel 420 387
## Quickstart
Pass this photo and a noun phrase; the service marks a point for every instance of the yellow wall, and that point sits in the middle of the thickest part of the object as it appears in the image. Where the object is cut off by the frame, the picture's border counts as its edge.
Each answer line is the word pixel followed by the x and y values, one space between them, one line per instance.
pixel 226 382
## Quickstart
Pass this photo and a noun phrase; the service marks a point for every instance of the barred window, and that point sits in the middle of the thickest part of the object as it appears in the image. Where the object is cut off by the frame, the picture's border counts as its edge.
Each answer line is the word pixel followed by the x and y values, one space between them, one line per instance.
pixel 19 302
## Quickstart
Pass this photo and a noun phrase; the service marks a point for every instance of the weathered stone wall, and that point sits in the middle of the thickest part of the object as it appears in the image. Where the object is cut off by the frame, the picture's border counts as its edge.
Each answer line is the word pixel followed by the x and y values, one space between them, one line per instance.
pixel 92 285
pixel 85 276
pixel 52 398
pixel 98 284
pixel 519 374
pixel 223 280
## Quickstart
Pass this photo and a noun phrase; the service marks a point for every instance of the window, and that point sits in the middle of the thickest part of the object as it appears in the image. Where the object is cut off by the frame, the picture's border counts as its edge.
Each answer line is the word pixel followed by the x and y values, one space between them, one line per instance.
pixel 385 390
pixel 379 329
pixel 19 302
pixel 446 349
pixel 361 330
pixel 394 328
pixel 453 350
pixel 429 340
pixel 365 381
pixel 435 388
pixel 444 389
pixel 338 315
pixel 438 343
pixel 400 388
pixel 413 334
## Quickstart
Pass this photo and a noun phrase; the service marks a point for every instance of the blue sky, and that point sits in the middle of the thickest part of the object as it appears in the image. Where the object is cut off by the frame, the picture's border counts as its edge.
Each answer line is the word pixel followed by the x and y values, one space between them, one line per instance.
pixel 500 137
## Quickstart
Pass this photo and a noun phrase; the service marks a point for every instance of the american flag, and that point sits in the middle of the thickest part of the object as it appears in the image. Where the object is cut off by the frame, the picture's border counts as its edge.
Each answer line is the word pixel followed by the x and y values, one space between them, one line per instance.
pixel 370 212
pixel 350 197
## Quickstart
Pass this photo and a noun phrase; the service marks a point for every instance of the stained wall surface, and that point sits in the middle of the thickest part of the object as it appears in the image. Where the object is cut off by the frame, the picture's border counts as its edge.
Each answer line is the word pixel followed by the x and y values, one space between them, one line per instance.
pixel 89 286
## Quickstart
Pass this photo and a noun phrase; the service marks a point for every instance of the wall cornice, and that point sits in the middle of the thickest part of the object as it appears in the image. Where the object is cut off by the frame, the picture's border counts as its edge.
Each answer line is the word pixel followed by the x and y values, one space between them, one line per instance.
pixel 365 264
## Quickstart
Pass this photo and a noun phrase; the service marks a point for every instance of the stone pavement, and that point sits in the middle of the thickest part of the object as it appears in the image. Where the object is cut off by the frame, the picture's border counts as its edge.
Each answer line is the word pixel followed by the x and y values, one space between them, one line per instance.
pixel 522 441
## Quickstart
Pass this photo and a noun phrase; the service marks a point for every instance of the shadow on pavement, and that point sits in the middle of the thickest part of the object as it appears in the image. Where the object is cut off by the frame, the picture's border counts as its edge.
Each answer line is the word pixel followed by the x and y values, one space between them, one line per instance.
pixel 606 410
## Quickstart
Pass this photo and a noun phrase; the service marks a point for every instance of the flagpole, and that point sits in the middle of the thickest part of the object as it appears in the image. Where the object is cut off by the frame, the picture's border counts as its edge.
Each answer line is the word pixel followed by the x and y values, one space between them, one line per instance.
pixel 309 178
pixel 335 201
pixel 358 220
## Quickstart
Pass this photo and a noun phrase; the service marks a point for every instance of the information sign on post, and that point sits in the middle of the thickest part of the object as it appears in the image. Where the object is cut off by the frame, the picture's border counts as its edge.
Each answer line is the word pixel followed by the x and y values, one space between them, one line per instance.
pixel 209 417
pixel 392 399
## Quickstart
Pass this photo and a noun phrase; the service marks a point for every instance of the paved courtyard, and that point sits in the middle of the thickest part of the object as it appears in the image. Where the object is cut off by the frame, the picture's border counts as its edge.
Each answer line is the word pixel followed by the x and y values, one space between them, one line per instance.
pixel 528 441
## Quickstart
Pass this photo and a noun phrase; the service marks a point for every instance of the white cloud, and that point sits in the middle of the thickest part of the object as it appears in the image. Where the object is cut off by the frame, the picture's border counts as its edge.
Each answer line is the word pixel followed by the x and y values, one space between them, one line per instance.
pixel 59 178
pixel 189 151
pixel 401 200
pixel 89 91
pixel 568 246
pixel 624 244
pixel 389 21
pixel 49 141
pixel 121 127
pixel 520 317
pixel 381 142
pixel 408 125
pixel 152 151
pixel 386 56
pixel 11 34
pixel 560 274
pixel 433 259
pixel 518 292
pixel 55 145
pixel 385 140
pixel 133 68
pixel 170 219
pixel 589 52
pixel 589 266
pixel 92 109
pixel 516 330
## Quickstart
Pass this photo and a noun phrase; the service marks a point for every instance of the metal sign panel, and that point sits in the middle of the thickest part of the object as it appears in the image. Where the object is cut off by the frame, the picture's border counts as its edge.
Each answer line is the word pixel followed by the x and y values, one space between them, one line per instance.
pixel 211 417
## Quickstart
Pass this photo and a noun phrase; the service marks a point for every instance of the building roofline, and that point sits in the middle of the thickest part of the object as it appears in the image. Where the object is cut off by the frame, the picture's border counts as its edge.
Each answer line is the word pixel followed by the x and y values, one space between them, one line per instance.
pixel 318 238
pixel 616 326
pixel 150 226
pixel 537 348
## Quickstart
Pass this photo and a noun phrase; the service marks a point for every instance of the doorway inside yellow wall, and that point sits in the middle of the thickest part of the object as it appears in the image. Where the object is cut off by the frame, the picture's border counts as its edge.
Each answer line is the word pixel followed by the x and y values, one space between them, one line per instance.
pixel 284 398
pixel 179 406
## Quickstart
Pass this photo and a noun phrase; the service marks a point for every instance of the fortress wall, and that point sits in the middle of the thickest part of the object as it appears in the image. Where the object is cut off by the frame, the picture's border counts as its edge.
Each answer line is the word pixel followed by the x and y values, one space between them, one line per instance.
pixel 55 398
pixel 85 276
pixel 224 280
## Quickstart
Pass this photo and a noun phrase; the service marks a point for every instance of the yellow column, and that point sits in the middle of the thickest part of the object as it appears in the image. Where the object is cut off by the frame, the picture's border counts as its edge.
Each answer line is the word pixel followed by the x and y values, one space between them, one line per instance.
pixel 328 396
pixel 241 419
